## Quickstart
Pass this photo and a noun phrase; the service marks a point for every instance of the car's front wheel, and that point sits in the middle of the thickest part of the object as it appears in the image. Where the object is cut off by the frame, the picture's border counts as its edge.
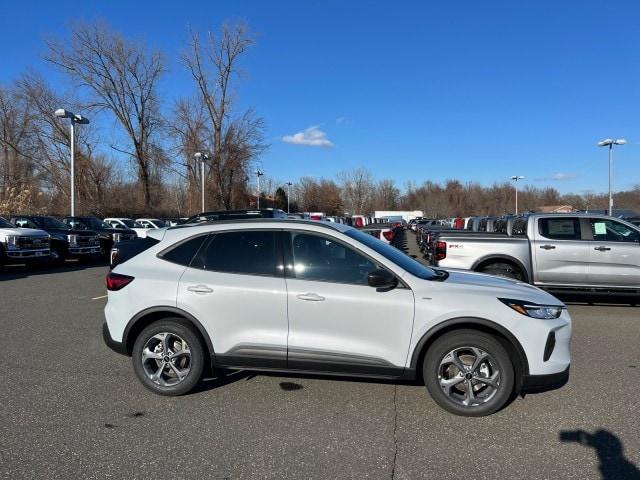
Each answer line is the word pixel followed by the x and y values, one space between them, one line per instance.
pixel 168 357
pixel 469 373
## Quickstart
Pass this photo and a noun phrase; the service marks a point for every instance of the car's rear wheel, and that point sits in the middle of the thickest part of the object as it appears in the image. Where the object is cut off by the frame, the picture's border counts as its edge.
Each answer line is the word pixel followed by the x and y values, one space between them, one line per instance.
pixel 168 357
pixel 469 373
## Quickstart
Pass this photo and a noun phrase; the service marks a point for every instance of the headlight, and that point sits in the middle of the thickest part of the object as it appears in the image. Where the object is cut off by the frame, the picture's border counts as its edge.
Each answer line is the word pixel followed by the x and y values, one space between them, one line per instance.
pixel 116 237
pixel 72 239
pixel 12 241
pixel 542 312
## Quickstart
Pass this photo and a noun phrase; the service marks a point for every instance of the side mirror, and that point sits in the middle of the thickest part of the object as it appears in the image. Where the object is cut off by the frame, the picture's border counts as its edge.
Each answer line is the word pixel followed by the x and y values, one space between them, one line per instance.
pixel 382 279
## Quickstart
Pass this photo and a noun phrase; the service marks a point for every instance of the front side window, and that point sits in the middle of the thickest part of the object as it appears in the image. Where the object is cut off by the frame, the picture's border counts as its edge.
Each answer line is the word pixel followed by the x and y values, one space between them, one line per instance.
pixel 317 258
pixel 559 228
pixel 245 252
pixel 605 230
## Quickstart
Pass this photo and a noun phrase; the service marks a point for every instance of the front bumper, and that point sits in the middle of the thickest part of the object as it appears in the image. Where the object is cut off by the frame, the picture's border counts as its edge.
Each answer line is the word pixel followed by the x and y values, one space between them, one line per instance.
pixel 83 252
pixel 544 383
pixel 117 347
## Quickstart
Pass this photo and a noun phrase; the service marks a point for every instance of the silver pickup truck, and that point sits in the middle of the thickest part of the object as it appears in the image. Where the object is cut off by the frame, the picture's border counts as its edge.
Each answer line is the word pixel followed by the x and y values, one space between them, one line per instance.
pixel 555 251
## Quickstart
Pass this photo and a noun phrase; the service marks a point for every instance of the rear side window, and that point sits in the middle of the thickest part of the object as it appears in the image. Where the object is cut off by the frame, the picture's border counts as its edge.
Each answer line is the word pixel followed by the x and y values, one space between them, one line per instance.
pixel 183 252
pixel 244 252
pixel 559 228
pixel 519 227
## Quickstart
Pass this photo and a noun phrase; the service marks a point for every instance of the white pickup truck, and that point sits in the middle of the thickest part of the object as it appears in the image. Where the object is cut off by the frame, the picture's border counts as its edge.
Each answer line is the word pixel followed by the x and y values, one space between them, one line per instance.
pixel 555 251
pixel 22 245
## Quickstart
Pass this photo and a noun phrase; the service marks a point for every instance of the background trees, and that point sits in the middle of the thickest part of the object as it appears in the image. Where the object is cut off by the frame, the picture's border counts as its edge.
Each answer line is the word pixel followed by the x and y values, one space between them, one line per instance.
pixel 116 82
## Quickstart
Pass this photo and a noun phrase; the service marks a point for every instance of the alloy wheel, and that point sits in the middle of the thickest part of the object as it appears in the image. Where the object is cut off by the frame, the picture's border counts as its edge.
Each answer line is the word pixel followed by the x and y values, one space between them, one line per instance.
pixel 166 359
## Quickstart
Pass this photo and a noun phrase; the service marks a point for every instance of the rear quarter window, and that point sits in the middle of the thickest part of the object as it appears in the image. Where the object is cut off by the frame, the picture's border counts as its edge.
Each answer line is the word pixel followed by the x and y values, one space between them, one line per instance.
pixel 183 252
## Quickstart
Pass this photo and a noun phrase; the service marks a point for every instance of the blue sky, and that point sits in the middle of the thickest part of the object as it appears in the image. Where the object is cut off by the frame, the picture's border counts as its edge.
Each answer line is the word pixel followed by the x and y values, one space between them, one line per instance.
pixel 413 90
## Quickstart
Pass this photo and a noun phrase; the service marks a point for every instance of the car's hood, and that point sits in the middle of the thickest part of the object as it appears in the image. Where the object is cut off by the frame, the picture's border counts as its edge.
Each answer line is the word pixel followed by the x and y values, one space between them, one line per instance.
pixel 499 286
pixel 23 232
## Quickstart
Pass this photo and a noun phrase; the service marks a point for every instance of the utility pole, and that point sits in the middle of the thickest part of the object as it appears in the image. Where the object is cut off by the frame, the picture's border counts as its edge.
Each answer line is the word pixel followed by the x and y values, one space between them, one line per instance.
pixel 515 178
pixel 79 119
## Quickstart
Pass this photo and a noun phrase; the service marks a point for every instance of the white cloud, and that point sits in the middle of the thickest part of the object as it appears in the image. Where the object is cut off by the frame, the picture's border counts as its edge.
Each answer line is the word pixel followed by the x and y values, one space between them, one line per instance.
pixel 560 176
pixel 564 176
pixel 311 137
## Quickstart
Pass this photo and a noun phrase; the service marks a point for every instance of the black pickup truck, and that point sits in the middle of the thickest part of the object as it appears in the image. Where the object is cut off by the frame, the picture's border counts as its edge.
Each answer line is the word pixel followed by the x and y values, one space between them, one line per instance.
pixel 108 235
pixel 66 242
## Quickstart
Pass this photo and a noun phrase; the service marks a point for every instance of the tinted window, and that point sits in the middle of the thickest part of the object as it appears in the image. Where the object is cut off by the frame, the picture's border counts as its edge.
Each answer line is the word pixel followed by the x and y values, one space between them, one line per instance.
pixel 183 252
pixel 4 223
pixel 250 252
pixel 320 259
pixel 611 231
pixel 560 228
pixel 50 222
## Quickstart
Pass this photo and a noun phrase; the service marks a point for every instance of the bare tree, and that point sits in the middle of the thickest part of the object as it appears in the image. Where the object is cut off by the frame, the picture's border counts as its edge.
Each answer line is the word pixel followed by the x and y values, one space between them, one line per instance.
pixel 235 140
pixel 122 77
pixel 357 189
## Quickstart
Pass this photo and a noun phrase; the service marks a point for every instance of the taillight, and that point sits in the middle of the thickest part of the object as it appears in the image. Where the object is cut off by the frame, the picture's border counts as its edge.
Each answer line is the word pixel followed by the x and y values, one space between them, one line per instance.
pixel 440 250
pixel 117 281
pixel 388 235
pixel 359 222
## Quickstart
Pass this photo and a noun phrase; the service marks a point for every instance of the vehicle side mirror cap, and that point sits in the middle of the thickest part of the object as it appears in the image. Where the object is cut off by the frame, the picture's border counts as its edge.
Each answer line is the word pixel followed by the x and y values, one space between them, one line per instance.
pixel 382 279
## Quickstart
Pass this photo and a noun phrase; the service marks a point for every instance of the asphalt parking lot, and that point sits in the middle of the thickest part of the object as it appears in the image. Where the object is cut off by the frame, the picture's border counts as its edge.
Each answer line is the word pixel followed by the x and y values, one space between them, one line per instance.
pixel 71 408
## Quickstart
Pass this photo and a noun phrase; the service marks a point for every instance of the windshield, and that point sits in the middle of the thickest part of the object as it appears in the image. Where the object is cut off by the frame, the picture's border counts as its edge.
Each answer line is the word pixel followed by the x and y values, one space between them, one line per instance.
pixel 158 223
pixel 5 224
pixel 393 254
pixel 93 222
pixel 50 222
pixel 130 223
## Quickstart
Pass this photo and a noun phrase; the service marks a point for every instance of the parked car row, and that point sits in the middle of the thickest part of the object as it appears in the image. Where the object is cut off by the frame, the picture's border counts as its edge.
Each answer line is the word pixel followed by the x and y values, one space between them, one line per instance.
pixel 41 239
pixel 556 251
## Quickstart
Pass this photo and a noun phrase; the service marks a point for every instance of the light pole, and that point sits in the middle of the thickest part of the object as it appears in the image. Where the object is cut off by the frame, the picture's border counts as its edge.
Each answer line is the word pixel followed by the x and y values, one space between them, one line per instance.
pixel 62 113
pixel 201 157
pixel 610 143
pixel 288 195
pixel 515 178
pixel 258 175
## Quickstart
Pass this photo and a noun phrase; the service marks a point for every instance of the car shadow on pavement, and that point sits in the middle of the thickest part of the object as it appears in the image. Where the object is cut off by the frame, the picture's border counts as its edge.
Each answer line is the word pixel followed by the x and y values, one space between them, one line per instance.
pixel 14 272
pixel 613 464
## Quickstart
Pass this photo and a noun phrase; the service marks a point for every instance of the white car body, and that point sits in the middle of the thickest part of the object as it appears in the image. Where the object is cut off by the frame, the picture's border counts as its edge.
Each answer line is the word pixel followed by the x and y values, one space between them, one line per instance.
pixel 297 324
pixel 120 223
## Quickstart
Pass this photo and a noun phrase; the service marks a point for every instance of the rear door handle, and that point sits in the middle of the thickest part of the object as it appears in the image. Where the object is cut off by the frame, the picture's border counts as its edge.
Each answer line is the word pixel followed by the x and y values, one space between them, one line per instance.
pixel 311 297
pixel 547 247
pixel 200 289
pixel 602 249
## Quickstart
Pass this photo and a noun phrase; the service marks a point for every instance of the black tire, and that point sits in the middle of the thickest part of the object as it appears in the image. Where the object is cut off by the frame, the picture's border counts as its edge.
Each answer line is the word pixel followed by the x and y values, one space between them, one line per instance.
pixel 496 398
pixel 175 327
pixel 501 269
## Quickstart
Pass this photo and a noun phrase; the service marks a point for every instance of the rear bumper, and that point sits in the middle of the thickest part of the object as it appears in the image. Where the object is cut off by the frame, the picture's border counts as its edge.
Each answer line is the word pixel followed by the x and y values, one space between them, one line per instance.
pixel 544 383
pixel 117 347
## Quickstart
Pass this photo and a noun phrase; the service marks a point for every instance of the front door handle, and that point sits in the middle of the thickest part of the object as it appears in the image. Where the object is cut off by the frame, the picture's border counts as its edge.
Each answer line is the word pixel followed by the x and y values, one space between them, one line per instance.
pixel 200 289
pixel 311 297
pixel 602 249
pixel 547 247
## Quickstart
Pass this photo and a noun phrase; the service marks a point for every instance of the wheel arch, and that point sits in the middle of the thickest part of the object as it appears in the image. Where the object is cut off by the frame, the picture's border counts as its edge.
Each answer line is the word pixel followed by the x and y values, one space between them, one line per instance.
pixel 498 258
pixel 146 317
pixel 508 340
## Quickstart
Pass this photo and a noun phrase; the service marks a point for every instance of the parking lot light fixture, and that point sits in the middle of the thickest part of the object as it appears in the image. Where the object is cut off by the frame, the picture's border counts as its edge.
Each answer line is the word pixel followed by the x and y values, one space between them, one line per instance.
pixel 288 195
pixel 610 143
pixel 515 179
pixel 258 175
pixel 201 157
pixel 75 119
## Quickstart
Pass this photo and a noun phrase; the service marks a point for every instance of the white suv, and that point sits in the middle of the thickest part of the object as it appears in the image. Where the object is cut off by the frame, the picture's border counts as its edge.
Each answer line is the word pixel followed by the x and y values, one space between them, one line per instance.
pixel 301 296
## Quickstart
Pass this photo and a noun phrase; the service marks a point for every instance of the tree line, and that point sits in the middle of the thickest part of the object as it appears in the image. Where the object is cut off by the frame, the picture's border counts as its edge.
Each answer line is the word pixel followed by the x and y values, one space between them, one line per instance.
pixel 116 80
